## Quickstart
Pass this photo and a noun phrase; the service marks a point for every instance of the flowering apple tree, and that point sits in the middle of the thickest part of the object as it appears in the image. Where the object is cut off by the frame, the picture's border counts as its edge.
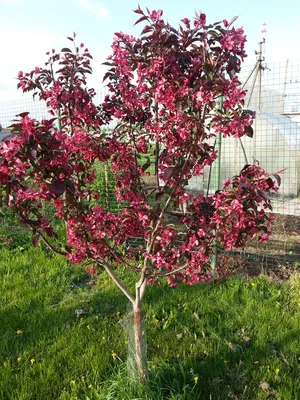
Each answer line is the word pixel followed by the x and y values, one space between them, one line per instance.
pixel 164 105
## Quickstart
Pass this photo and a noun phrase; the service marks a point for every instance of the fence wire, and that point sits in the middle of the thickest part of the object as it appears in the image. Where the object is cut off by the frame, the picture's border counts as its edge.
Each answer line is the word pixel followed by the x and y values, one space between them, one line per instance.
pixel 275 96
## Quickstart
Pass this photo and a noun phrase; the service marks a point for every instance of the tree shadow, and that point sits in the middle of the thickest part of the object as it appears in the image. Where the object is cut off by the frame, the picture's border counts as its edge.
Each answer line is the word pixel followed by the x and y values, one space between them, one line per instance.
pixel 235 367
pixel 229 369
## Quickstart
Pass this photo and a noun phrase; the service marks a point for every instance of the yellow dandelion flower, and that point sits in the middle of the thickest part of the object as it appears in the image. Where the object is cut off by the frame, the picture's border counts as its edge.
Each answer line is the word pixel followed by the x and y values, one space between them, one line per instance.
pixel 114 355
pixel 19 358
pixel 19 332
pixel 73 382
pixel 156 321
pixel 32 361
pixel 253 284
pixel 196 378
pixel 90 386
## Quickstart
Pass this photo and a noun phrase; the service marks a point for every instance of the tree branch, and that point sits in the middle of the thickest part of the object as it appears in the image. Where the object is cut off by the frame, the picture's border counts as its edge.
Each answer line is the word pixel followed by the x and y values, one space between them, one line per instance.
pixel 179 179
pixel 178 213
pixel 119 258
pixel 51 247
pixel 140 287
pixel 156 164
pixel 117 281
pixel 172 272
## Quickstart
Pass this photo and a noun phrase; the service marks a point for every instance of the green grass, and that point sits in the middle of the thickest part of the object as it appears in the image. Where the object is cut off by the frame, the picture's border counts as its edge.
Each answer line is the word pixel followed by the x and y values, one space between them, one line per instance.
pixel 238 339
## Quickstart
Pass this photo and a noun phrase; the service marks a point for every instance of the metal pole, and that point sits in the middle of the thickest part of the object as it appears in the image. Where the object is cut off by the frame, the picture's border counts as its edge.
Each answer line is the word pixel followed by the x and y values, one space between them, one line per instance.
pixel 249 76
pixel 253 84
pixel 218 148
pixel 259 77
pixel 284 87
pixel 260 59
pixel 59 120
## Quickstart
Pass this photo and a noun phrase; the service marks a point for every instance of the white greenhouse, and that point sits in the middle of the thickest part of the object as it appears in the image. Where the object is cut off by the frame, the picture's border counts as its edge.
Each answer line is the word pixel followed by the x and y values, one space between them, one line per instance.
pixel 275 144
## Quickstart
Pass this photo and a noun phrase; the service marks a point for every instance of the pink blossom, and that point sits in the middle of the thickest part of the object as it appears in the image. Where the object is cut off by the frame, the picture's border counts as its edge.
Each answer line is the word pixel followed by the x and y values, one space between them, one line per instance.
pixel 164 111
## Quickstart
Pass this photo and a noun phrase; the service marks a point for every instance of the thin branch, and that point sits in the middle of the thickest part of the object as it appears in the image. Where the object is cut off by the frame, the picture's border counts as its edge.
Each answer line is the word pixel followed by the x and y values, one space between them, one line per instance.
pixel 243 150
pixel 209 175
pixel 156 164
pixel 143 288
pixel 140 287
pixel 172 272
pixel 119 258
pixel 179 179
pixel 117 281
pixel 51 247
pixel 140 183
pixel 178 213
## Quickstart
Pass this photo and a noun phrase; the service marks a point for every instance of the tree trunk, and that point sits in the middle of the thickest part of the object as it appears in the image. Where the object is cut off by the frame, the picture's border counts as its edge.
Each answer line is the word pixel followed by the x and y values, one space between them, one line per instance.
pixel 139 342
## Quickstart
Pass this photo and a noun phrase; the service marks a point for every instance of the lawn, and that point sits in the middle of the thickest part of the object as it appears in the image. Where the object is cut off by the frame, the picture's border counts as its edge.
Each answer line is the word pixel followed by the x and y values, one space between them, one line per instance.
pixel 236 339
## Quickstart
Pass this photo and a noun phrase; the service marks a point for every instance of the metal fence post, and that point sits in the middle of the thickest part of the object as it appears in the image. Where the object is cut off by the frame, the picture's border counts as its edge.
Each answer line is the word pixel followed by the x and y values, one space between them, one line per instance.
pixel 218 148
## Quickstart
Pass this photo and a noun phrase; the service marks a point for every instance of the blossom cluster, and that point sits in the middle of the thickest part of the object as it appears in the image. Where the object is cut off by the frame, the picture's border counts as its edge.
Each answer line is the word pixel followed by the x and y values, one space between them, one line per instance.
pixel 170 92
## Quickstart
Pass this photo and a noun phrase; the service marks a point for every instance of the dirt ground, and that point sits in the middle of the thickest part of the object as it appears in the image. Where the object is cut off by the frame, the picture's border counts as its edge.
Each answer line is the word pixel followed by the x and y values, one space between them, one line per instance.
pixel 278 258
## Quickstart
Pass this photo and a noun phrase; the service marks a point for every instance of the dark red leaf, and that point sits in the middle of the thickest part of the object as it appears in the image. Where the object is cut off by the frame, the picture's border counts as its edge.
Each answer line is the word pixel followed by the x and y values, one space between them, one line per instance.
pixel 278 179
pixel 109 64
pixel 36 239
pixel 48 230
pixel 9 137
pixel 68 248
pixel 146 29
pixel 282 170
pixel 232 21
pixel 262 194
pixel 138 11
pixel 270 182
pixel 106 76
pixel 249 131
pixel 57 188
pixel 22 115
pixel 146 166
pixel 141 19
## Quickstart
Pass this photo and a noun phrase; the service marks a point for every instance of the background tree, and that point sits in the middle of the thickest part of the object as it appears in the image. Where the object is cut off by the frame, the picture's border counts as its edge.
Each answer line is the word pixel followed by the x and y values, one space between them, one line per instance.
pixel 164 100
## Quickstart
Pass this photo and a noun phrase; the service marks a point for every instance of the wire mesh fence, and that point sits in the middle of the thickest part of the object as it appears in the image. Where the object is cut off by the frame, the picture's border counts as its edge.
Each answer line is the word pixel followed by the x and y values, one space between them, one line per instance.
pixel 273 91
pixel 276 144
pixel 10 109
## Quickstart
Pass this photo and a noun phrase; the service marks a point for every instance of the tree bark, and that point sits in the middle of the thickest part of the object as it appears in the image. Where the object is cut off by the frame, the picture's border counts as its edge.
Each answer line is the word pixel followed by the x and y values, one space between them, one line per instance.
pixel 139 342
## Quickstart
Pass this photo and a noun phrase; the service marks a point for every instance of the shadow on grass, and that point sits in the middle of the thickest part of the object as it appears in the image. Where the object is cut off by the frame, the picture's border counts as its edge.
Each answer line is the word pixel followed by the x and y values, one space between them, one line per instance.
pixel 55 346
pixel 211 341
pixel 248 357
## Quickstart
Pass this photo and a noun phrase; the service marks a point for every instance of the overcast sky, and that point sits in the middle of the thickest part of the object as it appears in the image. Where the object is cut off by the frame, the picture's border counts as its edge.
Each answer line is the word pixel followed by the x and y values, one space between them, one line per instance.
pixel 28 28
